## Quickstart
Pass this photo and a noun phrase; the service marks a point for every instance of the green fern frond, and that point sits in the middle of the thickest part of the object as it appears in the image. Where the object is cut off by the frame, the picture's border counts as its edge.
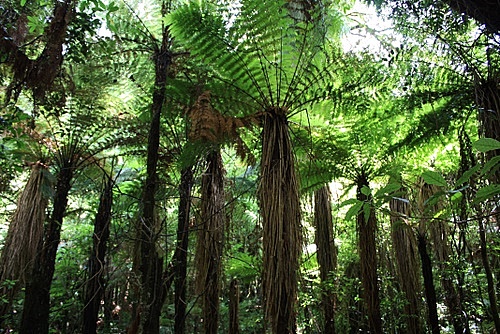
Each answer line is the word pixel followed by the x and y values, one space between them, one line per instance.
pixel 258 50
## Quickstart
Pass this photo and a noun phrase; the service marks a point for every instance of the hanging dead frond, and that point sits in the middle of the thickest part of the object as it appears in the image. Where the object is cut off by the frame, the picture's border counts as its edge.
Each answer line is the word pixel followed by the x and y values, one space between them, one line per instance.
pixel 209 125
pixel 280 210
pixel 405 249
pixel 25 233
pixel 26 228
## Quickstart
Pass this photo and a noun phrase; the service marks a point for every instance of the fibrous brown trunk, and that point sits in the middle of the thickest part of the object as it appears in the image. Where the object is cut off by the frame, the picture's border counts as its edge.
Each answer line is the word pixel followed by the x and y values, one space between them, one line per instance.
pixel 406 253
pixel 367 227
pixel 280 209
pixel 180 256
pixel 35 317
pixel 210 240
pixel 23 238
pixel 326 254
pixel 94 287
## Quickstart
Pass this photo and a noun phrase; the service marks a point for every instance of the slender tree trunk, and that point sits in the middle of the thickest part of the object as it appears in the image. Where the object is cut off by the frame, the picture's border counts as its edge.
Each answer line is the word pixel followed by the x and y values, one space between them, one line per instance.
pixel 35 317
pixel 210 240
pixel 152 289
pixel 367 245
pixel 326 253
pixel 280 209
pixel 430 291
pixel 94 289
pixel 406 254
pixel 234 307
pixel 180 257
pixel 23 238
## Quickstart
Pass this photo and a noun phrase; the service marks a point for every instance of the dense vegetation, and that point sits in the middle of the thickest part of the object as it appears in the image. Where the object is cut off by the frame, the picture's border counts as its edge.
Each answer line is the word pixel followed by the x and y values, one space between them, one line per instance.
pixel 249 166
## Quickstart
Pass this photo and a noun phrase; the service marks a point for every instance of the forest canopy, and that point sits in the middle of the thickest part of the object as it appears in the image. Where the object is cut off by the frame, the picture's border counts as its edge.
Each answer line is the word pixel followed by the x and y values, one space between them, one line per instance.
pixel 249 166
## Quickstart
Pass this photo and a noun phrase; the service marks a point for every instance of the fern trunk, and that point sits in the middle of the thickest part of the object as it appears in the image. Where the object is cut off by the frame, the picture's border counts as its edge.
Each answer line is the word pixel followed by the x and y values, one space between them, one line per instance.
pixel 35 317
pixel 280 209
pixel 406 253
pixel 23 239
pixel 367 245
pixel 234 307
pixel 152 290
pixel 326 254
pixel 429 288
pixel 180 256
pixel 94 287
pixel 210 240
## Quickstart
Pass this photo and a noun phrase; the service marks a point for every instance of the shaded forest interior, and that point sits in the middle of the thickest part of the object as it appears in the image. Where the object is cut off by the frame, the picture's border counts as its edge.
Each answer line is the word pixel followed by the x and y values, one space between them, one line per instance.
pixel 249 166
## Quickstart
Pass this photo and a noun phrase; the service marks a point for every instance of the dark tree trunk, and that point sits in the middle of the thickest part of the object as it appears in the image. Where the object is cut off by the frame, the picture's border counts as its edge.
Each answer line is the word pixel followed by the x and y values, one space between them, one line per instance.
pixel 326 254
pixel 210 240
pixel 430 291
pixel 367 245
pixel 35 317
pixel 439 232
pixel 406 254
pixel 489 276
pixel 94 289
pixel 234 307
pixel 180 259
pixel 280 209
pixel 151 263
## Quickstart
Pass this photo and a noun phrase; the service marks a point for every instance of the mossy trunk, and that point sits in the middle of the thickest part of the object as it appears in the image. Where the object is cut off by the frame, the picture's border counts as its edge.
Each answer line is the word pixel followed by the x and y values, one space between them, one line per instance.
pixel 326 254
pixel 280 210
pixel 211 240
pixel 36 310
pixel 367 245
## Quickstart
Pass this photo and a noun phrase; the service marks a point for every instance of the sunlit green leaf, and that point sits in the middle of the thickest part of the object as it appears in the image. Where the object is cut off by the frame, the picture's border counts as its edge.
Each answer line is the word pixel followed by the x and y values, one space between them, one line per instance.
pixel 486 144
pixel 431 177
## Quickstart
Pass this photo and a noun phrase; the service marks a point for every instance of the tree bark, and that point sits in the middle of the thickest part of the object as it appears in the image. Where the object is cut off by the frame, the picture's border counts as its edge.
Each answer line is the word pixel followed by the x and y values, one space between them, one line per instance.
pixel 94 289
pixel 326 254
pixel 35 317
pixel 489 276
pixel 39 74
pixel 234 307
pixel 180 256
pixel 406 254
pixel 367 245
pixel 210 240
